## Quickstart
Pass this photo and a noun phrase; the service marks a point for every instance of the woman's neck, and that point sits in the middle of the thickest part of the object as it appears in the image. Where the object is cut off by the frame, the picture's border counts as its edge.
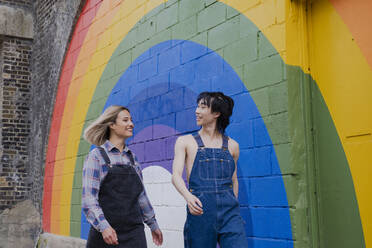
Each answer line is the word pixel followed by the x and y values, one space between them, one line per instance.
pixel 118 142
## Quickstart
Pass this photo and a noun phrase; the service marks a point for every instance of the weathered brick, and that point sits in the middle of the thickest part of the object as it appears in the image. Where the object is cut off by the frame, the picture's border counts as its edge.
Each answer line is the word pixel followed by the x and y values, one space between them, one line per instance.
pixel 185 121
pixel 223 34
pixel 159 85
pixel 257 161
pixel 265 48
pixel 185 29
pixel 242 51
pixel 247 28
pixel 278 97
pixel 243 129
pixel 267 191
pixel 210 65
pixel 189 8
pixel 146 30
pixel 167 17
pixel 166 120
pixel 231 12
pixel 230 85
pixel 281 156
pixel 154 150
pixel 192 51
pixel 268 242
pixel 261 98
pixel 15 101
pixel 148 68
pixel 211 16
pixel 256 73
pixel 278 126
pixel 261 135
pixel 169 59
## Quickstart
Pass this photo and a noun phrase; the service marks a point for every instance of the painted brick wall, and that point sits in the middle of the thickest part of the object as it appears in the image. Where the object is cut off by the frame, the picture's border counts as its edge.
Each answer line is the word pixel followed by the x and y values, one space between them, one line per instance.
pixel 206 44
pixel 156 63
pixel 264 72
pixel 255 61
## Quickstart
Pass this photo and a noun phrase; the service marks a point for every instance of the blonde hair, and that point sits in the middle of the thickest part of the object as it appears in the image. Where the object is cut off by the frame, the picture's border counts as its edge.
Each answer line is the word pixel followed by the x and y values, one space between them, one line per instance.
pixel 99 130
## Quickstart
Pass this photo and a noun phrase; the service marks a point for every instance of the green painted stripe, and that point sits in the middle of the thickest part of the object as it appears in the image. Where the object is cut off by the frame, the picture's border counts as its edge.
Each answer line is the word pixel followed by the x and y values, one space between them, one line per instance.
pixel 340 223
pixel 322 170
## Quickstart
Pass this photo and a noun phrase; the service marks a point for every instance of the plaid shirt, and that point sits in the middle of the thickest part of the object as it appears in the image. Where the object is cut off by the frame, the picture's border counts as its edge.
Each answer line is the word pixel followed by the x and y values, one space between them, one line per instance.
pixel 94 172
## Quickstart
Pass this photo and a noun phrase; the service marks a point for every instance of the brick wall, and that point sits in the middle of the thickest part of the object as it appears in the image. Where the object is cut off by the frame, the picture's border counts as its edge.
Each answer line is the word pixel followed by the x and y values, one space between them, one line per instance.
pixel 15 123
pixel 30 65
pixel 18 3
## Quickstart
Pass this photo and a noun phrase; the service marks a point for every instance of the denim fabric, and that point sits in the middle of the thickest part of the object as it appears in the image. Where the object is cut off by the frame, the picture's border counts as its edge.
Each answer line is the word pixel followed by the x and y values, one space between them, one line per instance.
pixel 211 181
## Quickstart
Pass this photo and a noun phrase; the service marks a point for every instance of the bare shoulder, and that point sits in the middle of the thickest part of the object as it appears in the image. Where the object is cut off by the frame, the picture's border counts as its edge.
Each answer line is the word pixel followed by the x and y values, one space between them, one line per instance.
pixel 185 140
pixel 233 144
pixel 234 148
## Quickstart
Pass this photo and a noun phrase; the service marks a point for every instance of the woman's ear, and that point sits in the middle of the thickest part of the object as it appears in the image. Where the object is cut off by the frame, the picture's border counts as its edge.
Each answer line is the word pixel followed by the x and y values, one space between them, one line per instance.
pixel 111 126
pixel 216 114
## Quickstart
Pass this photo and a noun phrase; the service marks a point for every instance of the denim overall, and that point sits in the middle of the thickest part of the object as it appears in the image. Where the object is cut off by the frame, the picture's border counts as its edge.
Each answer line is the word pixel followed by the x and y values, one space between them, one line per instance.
pixel 211 181
pixel 118 198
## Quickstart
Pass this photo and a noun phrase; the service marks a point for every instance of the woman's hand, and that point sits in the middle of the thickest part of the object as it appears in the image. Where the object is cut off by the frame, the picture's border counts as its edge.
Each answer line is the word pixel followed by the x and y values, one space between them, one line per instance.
pixel 194 204
pixel 157 237
pixel 110 237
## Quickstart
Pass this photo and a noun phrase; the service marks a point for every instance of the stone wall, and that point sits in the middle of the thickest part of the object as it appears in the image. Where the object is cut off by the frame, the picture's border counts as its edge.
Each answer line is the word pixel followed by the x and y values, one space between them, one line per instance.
pixel 19 226
pixel 53 25
pixel 33 39
pixel 18 3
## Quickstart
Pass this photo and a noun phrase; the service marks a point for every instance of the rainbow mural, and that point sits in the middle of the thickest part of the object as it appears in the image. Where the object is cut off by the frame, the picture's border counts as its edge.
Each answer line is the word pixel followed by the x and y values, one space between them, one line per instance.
pixel 156 56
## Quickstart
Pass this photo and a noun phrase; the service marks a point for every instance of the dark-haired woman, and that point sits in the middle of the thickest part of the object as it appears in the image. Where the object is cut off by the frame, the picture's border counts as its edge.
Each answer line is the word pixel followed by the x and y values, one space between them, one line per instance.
pixel 213 214
pixel 114 200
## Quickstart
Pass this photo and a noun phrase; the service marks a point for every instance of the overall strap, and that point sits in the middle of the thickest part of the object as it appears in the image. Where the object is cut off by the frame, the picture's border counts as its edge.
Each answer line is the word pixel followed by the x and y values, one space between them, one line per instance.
pixel 198 140
pixel 225 142
pixel 104 155
pixel 131 157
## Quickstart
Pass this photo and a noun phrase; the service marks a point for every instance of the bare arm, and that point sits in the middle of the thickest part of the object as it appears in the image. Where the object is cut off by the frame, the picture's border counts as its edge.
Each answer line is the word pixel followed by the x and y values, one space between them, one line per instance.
pixel 235 154
pixel 193 203
pixel 178 167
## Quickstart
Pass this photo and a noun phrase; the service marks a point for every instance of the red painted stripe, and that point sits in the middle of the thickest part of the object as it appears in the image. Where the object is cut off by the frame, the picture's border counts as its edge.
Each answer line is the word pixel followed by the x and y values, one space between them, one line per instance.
pixel 357 15
pixel 81 29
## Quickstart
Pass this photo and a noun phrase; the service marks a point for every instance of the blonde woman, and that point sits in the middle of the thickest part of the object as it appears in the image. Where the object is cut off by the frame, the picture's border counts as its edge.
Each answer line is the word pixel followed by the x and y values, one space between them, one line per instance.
pixel 114 200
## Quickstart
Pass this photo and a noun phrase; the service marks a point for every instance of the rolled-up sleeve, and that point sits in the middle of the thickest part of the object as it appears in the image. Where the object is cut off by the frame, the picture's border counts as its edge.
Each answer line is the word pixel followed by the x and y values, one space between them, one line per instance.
pixel 91 184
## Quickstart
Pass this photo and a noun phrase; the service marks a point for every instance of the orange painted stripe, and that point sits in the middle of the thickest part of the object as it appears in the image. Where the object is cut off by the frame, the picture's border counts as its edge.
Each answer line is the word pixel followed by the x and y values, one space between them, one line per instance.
pixel 357 15
pixel 74 48
pixel 60 198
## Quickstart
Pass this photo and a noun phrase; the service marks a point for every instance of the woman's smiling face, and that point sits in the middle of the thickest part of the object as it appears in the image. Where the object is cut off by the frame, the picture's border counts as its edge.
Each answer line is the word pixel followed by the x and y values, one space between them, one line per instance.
pixel 123 126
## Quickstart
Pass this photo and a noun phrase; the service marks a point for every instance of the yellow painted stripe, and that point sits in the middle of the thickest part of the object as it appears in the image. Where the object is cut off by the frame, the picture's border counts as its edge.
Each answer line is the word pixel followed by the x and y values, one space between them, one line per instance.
pixel 65 161
pixel 345 80
pixel 268 16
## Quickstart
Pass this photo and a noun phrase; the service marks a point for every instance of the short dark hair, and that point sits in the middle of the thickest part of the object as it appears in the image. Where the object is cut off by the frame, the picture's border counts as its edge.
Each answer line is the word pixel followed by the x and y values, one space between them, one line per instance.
pixel 219 103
